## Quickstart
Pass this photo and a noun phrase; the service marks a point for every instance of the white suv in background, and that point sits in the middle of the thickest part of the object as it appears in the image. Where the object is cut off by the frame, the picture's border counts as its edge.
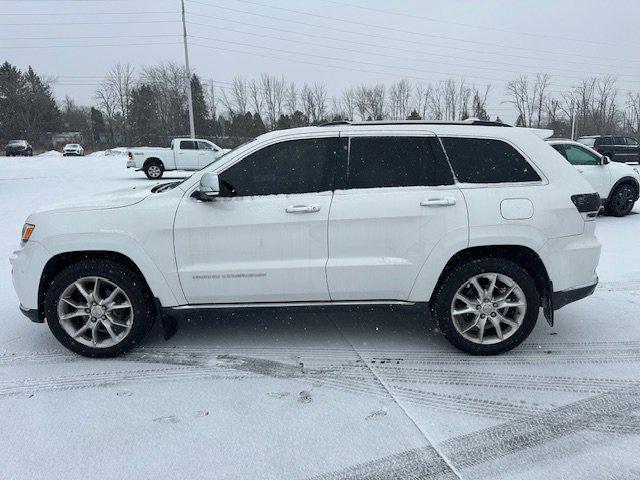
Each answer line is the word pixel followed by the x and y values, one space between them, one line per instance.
pixel 618 184
pixel 477 223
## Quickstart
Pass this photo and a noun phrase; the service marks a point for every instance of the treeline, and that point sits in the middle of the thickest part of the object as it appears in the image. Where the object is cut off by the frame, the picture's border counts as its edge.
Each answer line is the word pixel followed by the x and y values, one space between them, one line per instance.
pixel 147 105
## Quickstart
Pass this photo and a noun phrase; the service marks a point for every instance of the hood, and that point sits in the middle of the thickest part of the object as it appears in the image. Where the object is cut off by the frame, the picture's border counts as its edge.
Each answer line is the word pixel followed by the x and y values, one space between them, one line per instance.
pixel 103 201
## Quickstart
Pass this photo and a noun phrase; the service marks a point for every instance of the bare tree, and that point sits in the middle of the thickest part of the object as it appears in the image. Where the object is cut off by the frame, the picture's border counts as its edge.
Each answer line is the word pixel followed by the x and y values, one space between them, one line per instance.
pixel 348 103
pixel 632 114
pixel 256 99
pixel 120 80
pixel 399 96
pixel 422 99
pixel 237 98
pixel 370 101
pixel 291 98
pixel 273 90
pixel 106 101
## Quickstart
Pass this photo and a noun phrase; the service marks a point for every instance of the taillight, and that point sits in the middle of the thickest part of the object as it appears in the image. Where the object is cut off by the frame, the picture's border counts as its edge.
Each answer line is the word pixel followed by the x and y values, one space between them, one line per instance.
pixel 588 204
pixel 130 155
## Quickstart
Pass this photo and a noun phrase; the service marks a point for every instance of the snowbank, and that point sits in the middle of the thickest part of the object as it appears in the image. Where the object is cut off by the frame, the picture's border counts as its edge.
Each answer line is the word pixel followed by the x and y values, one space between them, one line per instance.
pixel 50 153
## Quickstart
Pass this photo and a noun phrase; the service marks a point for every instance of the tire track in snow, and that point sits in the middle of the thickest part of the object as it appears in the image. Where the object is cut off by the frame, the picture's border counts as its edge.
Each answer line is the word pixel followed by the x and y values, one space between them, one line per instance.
pixel 603 413
pixel 415 464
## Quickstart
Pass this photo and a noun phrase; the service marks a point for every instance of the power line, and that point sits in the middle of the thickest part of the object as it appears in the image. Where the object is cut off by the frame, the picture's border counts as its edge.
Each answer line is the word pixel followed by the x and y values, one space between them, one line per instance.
pixel 403 40
pixel 66 14
pixel 92 37
pixel 422 60
pixel 480 27
pixel 89 23
pixel 352 61
pixel 398 30
pixel 24 47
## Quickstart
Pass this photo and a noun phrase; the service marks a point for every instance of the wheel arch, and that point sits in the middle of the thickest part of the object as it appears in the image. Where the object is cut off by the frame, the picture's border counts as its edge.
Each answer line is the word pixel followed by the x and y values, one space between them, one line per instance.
pixel 151 160
pixel 58 262
pixel 626 179
pixel 526 257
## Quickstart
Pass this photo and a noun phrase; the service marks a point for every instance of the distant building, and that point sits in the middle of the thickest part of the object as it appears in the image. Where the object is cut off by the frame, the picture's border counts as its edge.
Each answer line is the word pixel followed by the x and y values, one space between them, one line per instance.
pixel 63 138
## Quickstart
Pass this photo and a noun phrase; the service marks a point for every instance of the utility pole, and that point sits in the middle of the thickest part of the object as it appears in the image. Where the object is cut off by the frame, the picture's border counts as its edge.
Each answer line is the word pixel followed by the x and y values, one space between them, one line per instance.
pixel 573 121
pixel 192 127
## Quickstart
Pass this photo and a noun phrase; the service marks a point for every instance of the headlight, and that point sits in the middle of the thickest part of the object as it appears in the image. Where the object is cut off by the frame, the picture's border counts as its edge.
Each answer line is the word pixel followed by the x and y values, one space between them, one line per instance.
pixel 27 230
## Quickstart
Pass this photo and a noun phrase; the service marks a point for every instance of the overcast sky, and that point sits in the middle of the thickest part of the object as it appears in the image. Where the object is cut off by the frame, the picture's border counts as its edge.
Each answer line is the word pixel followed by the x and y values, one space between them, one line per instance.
pixel 338 42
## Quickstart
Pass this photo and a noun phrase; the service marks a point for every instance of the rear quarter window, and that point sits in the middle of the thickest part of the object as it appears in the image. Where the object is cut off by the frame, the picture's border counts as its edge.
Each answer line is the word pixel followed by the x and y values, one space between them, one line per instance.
pixel 589 142
pixel 484 160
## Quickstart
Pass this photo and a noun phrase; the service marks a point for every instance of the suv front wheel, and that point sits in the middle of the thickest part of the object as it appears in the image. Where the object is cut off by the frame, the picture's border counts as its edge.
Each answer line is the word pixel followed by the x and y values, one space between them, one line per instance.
pixel 98 308
pixel 486 306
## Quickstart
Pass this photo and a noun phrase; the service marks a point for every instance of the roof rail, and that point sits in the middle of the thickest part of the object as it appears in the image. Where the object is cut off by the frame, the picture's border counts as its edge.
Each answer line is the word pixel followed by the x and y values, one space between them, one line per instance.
pixel 468 121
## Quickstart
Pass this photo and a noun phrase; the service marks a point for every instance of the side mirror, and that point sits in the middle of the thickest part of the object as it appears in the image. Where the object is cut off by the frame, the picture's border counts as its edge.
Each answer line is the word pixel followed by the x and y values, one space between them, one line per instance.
pixel 209 187
pixel 604 160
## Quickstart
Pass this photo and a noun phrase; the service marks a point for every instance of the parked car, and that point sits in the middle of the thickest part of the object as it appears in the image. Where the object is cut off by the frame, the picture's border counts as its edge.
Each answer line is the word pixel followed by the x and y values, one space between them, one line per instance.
pixel 617 184
pixel 184 154
pixel 479 225
pixel 18 147
pixel 73 149
pixel 616 147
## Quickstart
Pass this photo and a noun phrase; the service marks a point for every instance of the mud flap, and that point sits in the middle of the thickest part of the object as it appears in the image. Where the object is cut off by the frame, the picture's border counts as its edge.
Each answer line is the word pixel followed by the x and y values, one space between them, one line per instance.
pixel 547 304
pixel 168 323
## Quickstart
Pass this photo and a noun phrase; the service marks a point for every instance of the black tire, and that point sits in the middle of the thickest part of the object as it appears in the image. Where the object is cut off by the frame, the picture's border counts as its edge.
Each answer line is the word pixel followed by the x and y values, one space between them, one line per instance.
pixel 127 279
pixel 621 200
pixel 443 296
pixel 150 169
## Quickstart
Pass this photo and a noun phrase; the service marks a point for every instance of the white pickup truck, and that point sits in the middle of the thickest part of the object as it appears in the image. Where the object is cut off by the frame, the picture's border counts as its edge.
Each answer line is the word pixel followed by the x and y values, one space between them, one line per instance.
pixel 183 154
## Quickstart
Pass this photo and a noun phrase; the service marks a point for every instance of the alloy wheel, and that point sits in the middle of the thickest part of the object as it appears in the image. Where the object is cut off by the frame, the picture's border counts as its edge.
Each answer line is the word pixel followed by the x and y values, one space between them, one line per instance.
pixel 96 312
pixel 488 308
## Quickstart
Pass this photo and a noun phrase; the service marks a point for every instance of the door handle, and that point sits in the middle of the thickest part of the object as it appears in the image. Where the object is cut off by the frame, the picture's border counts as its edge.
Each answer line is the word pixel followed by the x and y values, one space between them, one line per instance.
pixel 438 202
pixel 302 209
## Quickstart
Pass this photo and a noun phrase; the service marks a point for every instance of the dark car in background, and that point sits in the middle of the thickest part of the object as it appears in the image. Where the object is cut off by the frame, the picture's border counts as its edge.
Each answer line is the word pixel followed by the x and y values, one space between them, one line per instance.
pixel 616 147
pixel 18 147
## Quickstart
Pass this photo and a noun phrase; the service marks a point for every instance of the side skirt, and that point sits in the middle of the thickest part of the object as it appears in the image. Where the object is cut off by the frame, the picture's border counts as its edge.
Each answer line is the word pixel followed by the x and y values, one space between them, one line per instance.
pixel 171 316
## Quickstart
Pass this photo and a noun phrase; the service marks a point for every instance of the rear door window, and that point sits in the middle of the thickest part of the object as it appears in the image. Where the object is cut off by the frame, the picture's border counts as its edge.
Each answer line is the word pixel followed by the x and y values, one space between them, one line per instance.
pixel 604 141
pixel 188 145
pixel 484 160
pixel 618 141
pixel 395 162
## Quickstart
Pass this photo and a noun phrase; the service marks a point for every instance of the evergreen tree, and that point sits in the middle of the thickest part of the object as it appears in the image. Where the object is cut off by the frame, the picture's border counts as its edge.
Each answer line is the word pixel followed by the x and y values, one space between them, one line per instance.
pixel 200 110
pixel 299 119
pixel 414 116
pixel 97 126
pixel 143 112
pixel 27 107
pixel 283 122
pixel 520 121
pixel 257 125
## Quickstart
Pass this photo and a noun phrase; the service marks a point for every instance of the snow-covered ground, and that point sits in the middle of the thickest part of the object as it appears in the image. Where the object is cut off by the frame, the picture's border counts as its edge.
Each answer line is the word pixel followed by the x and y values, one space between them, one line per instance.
pixel 296 395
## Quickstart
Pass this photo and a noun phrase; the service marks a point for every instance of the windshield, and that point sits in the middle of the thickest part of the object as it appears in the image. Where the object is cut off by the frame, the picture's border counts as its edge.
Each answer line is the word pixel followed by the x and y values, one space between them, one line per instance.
pixel 17 142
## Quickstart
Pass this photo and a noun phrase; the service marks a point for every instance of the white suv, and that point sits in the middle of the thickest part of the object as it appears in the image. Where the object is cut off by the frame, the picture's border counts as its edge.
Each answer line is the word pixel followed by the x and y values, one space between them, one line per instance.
pixel 618 184
pixel 479 224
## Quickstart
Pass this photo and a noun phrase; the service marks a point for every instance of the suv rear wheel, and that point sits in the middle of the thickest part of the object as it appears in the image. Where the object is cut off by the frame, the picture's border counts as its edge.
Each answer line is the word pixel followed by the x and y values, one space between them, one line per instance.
pixel 98 308
pixel 486 306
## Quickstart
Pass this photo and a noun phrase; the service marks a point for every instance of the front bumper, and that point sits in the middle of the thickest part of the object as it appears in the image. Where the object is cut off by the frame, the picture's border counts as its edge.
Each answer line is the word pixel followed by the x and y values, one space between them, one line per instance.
pixel 27 265
pixel 565 297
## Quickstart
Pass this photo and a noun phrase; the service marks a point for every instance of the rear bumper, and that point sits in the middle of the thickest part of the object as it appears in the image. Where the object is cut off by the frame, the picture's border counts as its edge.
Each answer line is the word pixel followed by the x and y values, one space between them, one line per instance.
pixel 565 297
